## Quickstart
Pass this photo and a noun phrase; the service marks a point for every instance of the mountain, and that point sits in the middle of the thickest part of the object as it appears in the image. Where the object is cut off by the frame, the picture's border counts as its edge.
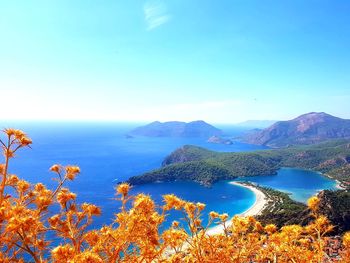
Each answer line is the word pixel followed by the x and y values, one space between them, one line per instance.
pixel 192 163
pixel 310 128
pixel 260 124
pixel 177 129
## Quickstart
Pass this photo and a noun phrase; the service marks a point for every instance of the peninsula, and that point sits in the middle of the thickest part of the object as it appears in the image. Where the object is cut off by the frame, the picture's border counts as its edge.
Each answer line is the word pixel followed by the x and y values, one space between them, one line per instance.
pixel 192 163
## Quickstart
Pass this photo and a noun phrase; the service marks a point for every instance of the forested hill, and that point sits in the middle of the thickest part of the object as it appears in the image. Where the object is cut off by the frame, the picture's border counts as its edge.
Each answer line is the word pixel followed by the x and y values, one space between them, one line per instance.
pixel 192 163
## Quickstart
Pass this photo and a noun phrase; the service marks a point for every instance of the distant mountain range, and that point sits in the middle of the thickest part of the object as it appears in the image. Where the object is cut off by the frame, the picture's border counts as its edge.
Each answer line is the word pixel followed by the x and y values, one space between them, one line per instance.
pixel 177 129
pixel 310 128
pixel 260 124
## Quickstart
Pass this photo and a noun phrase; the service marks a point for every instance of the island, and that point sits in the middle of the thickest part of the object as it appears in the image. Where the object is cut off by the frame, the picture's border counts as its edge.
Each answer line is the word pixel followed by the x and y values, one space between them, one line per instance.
pixel 219 140
pixel 199 129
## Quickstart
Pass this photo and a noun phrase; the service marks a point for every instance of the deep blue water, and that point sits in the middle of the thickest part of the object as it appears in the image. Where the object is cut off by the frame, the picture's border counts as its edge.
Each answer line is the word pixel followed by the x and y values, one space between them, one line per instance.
pixel 106 157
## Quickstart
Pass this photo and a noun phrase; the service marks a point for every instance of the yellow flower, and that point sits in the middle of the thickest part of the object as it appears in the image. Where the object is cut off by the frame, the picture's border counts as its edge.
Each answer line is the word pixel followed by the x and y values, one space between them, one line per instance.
pixel 172 201
pixel 313 203
pixel 12 180
pixel 200 206
pixel 62 253
pixel 197 222
pixel 64 196
pixel 223 217
pixel 346 240
pixel 91 209
pixel 258 227
pixel 144 202
pixel 270 228
pixel 72 171
pixel 19 134
pixel 22 186
pixel 87 257
pixel 190 208
pixel 213 214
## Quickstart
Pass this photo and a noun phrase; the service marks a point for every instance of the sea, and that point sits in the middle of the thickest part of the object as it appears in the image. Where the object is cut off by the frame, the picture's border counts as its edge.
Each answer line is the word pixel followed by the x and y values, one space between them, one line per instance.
pixel 107 156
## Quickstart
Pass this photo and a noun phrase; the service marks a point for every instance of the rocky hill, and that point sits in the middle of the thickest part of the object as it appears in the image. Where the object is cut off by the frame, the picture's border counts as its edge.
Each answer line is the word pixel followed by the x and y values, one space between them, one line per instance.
pixel 309 128
pixel 177 129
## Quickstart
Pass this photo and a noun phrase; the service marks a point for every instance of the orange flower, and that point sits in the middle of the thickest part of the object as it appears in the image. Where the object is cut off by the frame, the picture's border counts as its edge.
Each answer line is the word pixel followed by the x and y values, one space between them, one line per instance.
pixel 223 217
pixel 190 208
pixel 172 201
pixel 22 186
pixel 270 228
pixel 91 209
pixel 200 206
pixel 10 131
pixel 19 134
pixel 25 141
pixel 123 189
pixel 62 253
pixel 53 221
pixel 175 224
pixel 72 171
pixel 213 214
pixel 64 196
pixel 55 168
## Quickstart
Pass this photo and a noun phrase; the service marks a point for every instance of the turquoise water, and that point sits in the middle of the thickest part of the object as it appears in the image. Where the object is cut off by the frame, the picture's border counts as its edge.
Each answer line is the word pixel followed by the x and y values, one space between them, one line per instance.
pixel 106 157
pixel 300 184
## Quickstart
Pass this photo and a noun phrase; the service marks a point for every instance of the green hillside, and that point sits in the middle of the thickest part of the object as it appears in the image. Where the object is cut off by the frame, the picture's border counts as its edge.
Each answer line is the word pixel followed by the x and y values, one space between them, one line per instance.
pixel 197 164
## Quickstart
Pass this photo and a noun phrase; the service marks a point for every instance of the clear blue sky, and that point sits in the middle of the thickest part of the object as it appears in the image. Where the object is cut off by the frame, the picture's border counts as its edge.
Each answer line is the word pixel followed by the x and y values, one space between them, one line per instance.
pixel 222 61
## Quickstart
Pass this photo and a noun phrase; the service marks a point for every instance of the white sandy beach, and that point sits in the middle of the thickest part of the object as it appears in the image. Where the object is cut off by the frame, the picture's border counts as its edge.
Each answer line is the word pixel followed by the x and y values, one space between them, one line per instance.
pixel 339 185
pixel 255 209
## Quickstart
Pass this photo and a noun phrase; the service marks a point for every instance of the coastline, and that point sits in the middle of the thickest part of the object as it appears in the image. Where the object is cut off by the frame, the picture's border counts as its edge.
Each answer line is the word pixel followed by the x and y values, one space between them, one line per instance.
pixel 339 185
pixel 255 209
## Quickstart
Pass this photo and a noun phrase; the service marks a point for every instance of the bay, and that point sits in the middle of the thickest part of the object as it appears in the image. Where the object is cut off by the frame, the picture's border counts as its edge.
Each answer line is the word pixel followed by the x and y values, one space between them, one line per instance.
pixel 106 156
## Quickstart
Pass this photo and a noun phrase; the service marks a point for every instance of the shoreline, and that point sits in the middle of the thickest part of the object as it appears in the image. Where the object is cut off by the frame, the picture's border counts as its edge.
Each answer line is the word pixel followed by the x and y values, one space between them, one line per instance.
pixel 339 185
pixel 255 209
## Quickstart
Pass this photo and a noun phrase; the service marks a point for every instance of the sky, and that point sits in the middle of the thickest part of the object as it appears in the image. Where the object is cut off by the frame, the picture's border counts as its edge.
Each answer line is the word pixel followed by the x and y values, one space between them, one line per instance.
pixel 221 61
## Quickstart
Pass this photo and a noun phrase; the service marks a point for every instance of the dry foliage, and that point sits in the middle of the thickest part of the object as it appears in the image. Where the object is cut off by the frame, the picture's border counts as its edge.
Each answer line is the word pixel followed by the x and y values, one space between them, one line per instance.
pixel 29 227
